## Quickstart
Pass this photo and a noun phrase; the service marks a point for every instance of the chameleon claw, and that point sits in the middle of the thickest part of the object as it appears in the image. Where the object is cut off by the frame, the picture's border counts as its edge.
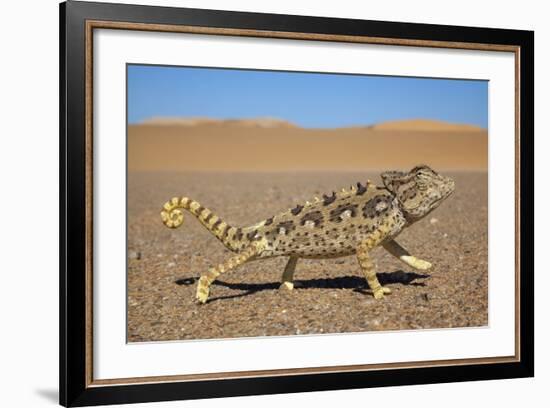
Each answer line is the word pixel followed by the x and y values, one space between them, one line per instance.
pixel 202 298
pixel 421 265
pixel 287 286
pixel 381 291
pixel 416 263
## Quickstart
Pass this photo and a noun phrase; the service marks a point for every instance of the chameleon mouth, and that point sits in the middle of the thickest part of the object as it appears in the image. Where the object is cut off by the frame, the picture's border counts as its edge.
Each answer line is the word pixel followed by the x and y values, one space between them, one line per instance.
pixel 443 197
pixel 449 191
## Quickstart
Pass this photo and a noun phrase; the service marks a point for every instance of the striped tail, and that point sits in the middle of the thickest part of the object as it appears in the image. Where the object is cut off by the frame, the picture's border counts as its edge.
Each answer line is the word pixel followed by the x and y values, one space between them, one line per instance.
pixel 172 216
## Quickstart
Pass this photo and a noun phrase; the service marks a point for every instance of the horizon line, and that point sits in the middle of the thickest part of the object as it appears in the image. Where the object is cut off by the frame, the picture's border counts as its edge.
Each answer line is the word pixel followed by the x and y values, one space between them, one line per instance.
pixel 205 119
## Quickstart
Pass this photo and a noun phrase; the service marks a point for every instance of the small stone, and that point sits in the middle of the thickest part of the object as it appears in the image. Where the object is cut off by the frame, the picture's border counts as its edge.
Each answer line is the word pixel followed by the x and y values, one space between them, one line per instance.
pixel 134 255
pixel 171 264
pixel 433 220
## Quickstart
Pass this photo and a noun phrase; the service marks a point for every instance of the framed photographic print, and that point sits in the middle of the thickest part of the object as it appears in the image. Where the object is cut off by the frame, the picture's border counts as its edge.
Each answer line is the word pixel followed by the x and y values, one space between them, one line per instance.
pixel 256 203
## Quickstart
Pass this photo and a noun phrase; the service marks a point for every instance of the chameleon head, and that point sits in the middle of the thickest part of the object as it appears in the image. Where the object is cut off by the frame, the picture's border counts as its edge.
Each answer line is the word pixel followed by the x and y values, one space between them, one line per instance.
pixel 419 191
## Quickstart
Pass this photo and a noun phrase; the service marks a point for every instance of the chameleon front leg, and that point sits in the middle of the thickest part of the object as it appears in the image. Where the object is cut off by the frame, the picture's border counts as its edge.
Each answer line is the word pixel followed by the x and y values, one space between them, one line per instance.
pixel 288 274
pixel 402 254
pixel 367 265
pixel 203 288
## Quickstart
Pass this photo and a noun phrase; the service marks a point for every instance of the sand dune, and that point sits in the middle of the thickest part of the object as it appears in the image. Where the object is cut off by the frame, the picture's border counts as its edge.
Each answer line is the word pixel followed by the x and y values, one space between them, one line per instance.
pixel 264 122
pixel 423 125
pixel 267 144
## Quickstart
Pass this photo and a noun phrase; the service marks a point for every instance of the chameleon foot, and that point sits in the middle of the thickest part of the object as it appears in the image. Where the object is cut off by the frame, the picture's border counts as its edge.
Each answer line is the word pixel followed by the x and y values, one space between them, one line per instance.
pixel 421 265
pixel 381 291
pixel 202 291
pixel 286 286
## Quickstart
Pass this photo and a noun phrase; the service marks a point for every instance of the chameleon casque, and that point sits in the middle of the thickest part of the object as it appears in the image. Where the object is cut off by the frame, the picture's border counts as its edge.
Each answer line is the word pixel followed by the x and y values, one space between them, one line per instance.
pixel 350 222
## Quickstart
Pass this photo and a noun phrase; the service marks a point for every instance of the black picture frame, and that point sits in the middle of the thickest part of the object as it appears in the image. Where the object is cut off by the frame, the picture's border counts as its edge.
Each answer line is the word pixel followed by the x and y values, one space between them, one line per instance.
pixel 76 389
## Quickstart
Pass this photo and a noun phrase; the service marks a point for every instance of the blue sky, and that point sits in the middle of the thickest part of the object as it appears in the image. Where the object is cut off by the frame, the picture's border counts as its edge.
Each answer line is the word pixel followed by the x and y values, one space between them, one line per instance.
pixel 309 100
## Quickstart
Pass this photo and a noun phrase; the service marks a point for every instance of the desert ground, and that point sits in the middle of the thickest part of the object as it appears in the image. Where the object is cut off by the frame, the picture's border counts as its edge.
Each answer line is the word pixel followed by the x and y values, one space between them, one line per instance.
pixel 330 296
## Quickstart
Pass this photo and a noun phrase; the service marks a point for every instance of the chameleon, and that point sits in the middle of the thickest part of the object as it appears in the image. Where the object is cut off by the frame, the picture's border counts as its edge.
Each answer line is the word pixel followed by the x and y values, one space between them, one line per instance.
pixel 350 222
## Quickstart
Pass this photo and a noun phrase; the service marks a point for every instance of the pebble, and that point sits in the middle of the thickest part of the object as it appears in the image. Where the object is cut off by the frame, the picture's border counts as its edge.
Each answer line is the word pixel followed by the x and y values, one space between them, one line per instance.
pixel 134 255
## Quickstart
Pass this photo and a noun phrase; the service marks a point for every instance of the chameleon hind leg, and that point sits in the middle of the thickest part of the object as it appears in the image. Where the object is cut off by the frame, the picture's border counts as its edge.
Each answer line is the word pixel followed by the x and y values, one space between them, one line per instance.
pixel 367 265
pixel 288 273
pixel 402 254
pixel 203 288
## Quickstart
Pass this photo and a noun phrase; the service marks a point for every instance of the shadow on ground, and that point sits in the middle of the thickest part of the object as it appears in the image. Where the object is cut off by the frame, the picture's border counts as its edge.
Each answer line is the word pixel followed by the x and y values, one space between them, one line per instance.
pixel 357 283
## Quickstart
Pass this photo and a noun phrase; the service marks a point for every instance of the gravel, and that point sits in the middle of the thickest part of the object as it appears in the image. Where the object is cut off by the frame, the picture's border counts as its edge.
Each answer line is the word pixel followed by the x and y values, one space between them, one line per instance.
pixel 330 296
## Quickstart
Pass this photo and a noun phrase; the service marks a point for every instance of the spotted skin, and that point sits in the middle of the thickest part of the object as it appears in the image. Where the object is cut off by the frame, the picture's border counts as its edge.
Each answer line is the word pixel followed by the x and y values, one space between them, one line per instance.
pixel 350 222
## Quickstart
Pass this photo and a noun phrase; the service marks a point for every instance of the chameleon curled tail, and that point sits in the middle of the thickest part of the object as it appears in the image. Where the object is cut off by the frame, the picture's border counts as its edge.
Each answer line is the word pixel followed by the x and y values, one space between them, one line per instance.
pixel 172 217
pixel 171 213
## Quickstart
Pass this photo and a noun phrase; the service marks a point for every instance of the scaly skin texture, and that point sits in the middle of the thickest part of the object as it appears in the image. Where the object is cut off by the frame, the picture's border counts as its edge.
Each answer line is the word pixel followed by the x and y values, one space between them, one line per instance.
pixel 353 221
